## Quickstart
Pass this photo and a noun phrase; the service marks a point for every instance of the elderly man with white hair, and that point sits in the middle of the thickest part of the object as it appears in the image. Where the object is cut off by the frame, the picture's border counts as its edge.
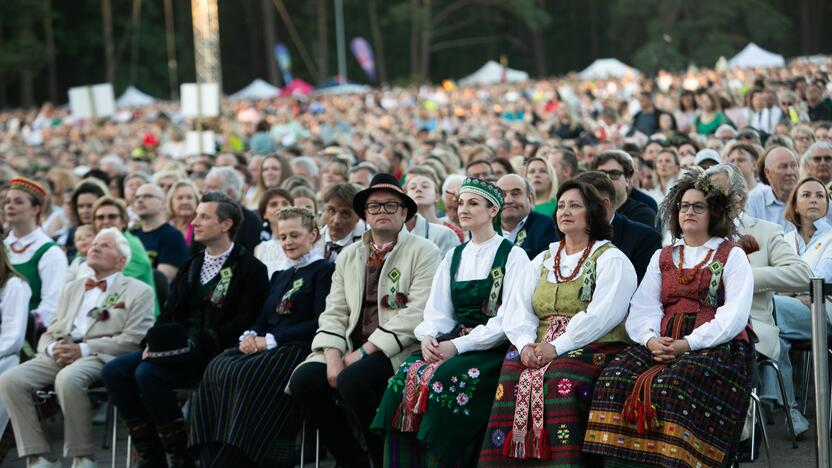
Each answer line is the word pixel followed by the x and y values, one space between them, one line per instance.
pixel 98 318
pixel 228 181
pixel 817 162
pixel 450 194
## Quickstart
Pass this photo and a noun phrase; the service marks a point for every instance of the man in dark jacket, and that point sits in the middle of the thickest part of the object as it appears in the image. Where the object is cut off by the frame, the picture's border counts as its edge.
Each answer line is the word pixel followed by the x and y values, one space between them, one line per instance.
pixel 226 180
pixel 216 295
pixel 638 241
pixel 529 230
pixel 618 166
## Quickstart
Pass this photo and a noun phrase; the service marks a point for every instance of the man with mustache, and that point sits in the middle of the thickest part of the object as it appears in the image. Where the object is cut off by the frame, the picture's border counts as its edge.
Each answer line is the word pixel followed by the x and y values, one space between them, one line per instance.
pixel 780 174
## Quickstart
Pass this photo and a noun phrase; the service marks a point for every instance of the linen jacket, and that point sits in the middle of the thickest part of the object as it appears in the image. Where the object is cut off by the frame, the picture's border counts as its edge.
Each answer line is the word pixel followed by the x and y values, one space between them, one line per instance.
pixel 416 260
pixel 776 268
pixel 128 321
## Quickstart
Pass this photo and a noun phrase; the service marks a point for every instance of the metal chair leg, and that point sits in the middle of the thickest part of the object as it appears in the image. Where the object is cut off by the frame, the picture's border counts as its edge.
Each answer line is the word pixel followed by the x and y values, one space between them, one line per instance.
pixel 129 457
pixel 786 407
pixel 317 448
pixel 806 361
pixel 755 401
pixel 114 446
pixel 108 425
pixel 302 442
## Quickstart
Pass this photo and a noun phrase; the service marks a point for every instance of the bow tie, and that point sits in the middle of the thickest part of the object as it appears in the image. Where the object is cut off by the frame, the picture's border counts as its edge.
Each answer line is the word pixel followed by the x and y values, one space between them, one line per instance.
pixel 332 247
pixel 91 284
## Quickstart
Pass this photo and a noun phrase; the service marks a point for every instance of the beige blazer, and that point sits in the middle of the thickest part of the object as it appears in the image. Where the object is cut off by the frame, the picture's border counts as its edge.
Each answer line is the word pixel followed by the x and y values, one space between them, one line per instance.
pixel 776 268
pixel 119 334
pixel 416 260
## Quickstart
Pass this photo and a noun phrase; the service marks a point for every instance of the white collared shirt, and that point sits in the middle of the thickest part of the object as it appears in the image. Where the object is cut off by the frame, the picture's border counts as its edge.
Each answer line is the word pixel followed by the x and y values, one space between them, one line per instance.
pixel 475 263
pixel 615 282
pixel 212 264
pixel 647 310
pixel 82 322
pixel 52 270
pixel 512 235
pixel 357 231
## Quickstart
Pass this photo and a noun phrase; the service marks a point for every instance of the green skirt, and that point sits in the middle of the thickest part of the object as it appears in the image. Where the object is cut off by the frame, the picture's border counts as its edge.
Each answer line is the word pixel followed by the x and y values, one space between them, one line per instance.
pixel 460 396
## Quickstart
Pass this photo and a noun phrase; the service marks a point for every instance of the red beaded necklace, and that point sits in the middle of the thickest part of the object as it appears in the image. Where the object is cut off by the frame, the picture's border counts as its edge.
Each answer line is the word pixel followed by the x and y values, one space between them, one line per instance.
pixel 20 250
pixel 561 247
pixel 683 278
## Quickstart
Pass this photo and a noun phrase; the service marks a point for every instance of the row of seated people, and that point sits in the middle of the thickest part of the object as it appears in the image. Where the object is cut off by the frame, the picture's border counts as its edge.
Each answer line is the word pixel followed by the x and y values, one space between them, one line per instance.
pixel 520 361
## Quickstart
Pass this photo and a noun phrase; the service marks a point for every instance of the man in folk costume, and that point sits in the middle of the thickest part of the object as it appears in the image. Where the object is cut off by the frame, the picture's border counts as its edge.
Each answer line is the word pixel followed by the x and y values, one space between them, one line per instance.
pixel 377 297
pixel 216 295
pixel 98 318
pixel 451 382
pixel 31 251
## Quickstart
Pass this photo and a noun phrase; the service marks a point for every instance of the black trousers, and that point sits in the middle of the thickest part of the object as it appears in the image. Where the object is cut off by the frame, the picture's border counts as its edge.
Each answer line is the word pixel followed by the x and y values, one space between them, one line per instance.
pixel 359 392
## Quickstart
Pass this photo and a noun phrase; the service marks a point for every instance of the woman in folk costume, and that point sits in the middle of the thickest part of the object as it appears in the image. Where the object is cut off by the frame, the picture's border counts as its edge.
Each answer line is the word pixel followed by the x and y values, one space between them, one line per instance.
pixel 437 403
pixel 240 413
pixel 679 397
pixel 566 321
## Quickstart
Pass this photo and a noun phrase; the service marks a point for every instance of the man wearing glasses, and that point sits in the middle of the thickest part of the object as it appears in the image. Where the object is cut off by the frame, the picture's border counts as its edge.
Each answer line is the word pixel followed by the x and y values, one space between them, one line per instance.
pixel 163 242
pixel 618 166
pixel 817 161
pixel 378 294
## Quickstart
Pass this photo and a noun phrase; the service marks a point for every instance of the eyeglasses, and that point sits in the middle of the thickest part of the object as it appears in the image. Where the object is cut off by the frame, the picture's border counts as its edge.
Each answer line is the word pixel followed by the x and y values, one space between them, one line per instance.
pixel 389 207
pixel 698 207
pixel 108 217
pixel 613 174
pixel 819 159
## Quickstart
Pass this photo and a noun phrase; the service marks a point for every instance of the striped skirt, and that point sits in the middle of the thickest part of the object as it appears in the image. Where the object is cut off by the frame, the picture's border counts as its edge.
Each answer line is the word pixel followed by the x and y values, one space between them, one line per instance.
pixel 567 385
pixel 241 402
pixel 700 403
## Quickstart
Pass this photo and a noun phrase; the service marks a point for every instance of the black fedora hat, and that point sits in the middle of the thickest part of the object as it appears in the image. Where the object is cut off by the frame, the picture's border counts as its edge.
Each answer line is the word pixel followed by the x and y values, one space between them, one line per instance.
pixel 387 183
pixel 167 343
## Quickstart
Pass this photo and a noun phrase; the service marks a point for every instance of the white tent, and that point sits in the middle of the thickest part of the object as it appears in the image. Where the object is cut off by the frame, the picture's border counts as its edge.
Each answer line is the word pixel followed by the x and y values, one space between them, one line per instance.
pixel 346 88
pixel 492 73
pixel 607 68
pixel 257 89
pixel 132 97
pixel 754 56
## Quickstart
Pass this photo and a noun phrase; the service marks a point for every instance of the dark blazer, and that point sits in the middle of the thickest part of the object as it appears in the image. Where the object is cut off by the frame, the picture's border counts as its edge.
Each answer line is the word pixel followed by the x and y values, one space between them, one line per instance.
pixel 248 234
pixel 638 242
pixel 298 326
pixel 238 309
pixel 539 233
pixel 639 195
pixel 638 211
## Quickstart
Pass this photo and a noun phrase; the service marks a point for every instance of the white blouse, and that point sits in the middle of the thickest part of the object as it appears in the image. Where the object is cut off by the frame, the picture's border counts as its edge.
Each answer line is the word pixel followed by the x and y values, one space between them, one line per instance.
pixel 14 307
pixel 475 264
pixel 646 309
pixel 271 254
pixel 615 282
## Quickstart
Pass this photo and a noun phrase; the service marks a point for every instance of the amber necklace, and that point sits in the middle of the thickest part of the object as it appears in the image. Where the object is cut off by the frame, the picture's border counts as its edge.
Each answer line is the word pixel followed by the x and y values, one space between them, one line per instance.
pixel 20 250
pixel 561 247
pixel 683 278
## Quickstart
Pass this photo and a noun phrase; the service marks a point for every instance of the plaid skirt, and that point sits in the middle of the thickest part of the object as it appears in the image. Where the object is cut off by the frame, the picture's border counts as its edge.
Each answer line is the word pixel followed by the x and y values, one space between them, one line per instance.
pixel 461 392
pixel 568 385
pixel 700 400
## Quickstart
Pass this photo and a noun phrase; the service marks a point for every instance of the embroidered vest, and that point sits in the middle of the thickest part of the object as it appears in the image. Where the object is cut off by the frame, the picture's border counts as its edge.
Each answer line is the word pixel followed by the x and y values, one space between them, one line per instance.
pixel 568 298
pixel 476 301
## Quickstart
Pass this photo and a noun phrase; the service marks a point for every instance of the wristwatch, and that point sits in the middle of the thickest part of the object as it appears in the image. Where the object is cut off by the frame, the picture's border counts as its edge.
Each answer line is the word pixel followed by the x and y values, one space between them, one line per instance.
pixel 362 351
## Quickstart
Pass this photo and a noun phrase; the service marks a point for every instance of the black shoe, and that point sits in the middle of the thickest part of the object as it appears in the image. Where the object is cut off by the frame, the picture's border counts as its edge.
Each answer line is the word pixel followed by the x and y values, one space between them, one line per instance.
pixel 175 440
pixel 147 444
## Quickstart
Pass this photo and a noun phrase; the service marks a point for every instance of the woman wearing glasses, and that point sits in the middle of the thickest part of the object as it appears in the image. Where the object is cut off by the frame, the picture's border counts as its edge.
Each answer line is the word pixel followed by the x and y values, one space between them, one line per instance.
pixel 438 402
pixel 679 397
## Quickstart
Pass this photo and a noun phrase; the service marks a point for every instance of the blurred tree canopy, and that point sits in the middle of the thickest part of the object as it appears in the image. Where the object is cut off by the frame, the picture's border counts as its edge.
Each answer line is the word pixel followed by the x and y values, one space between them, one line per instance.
pixel 47 46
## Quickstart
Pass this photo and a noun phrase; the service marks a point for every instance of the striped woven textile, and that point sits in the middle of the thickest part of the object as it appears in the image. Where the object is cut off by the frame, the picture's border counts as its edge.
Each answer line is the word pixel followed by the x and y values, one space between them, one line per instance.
pixel 568 385
pixel 241 402
pixel 700 400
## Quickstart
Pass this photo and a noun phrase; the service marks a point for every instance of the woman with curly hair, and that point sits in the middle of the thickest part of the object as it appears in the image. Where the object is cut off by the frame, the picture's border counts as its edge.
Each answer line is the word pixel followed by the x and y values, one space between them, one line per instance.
pixel 679 397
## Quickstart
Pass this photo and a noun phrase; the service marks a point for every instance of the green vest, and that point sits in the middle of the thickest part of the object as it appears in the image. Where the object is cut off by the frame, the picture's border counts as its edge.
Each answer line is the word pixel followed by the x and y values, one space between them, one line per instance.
pixel 203 313
pixel 29 270
pixel 568 298
pixel 476 301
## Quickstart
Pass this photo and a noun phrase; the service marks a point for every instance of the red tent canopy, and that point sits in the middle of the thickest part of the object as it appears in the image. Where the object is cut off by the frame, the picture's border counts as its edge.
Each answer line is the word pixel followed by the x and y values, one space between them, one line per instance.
pixel 297 87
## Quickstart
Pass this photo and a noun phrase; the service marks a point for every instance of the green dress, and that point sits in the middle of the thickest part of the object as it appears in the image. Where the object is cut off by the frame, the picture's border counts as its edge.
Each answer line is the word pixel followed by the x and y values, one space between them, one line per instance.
pixel 29 270
pixel 139 266
pixel 460 392
pixel 547 208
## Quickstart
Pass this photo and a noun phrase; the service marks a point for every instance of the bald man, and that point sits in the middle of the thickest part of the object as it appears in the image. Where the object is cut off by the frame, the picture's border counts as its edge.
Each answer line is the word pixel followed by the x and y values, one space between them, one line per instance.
pixel 780 174
pixel 164 243
pixel 528 229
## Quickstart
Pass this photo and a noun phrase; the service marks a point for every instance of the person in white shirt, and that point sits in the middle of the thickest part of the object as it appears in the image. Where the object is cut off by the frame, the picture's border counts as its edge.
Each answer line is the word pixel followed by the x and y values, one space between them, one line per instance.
pixel 690 372
pixel 33 253
pixel 564 322
pixel 342 224
pixel 451 381
pixel 14 311
pixel 98 318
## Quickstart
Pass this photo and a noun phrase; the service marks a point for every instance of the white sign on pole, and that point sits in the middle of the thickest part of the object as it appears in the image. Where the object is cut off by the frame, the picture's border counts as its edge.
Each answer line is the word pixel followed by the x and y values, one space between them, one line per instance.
pixel 200 100
pixel 86 102
pixel 193 145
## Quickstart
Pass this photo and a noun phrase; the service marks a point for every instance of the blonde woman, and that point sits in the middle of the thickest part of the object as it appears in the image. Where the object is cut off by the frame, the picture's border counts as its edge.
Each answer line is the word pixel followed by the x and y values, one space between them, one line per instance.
pixel 181 202
pixel 274 169
pixel 542 176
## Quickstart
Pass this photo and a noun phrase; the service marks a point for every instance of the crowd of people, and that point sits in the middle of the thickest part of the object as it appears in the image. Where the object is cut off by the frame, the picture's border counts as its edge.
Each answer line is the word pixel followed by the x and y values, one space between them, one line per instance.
pixel 549 273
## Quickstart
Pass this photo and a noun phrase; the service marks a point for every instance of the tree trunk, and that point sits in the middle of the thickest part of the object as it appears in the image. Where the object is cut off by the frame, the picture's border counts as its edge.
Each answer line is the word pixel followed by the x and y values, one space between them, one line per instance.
pixel 27 89
pixel 375 27
pixel 170 44
pixel 107 31
pixel 134 50
pixel 253 43
pixel 805 29
pixel 49 37
pixel 414 38
pixel 3 102
pixel 593 28
pixel 538 45
pixel 270 38
pixel 424 72
pixel 323 40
